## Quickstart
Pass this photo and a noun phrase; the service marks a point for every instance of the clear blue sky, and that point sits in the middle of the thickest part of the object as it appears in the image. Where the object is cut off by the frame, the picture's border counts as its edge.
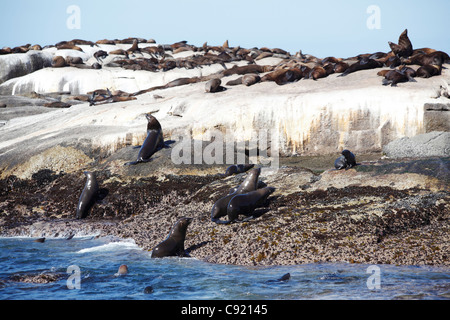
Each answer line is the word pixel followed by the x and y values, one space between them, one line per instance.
pixel 322 28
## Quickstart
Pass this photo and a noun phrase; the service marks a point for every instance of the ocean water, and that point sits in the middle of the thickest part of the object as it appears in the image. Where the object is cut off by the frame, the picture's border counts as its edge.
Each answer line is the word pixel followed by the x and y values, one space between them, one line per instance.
pixel 97 262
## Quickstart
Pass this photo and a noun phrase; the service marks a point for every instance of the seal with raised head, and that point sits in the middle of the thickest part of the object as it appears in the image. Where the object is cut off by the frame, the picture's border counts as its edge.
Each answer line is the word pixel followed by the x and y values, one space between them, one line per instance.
pixel 404 47
pixel 88 196
pixel 152 143
pixel 250 183
pixel 345 161
pixel 174 243
pixel 245 204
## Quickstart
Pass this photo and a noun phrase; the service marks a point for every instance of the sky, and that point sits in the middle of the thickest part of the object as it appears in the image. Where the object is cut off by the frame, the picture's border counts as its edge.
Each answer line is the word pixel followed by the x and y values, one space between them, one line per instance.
pixel 340 28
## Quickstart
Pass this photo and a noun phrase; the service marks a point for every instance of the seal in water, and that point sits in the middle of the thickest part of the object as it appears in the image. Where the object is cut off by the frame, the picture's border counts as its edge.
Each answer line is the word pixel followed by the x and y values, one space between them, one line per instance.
pixel 148 290
pixel 174 243
pixel 152 143
pixel 88 196
pixel 250 183
pixel 284 278
pixel 245 204
pixel 123 270
pixel 345 161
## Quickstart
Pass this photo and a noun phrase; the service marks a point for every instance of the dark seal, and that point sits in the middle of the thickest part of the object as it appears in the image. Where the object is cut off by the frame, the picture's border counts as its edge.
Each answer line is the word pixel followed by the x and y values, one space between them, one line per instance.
pixel 404 47
pixel 88 196
pixel 345 161
pixel 153 142
pixel 363 64
pixel 393 77
pixel 250 183
pixel 284 278
pixel 428 71
pixel 174 243
pixel 245 204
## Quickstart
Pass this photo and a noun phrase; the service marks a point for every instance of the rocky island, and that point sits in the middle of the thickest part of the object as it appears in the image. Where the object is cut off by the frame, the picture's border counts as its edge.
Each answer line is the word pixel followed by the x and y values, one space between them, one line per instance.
pixel 82 106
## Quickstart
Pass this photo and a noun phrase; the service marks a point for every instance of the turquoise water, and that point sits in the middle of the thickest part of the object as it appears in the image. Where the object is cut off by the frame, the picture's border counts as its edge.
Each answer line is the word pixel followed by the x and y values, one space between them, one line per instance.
pixel 98 261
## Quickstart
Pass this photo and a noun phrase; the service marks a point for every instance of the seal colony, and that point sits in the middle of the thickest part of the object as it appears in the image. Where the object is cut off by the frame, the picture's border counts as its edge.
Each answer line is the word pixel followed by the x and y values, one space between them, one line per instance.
pixel 405 62
pixel 250 196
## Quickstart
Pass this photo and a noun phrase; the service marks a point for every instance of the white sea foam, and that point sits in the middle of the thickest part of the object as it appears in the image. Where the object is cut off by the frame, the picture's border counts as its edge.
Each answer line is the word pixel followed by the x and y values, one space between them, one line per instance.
pixel 112 246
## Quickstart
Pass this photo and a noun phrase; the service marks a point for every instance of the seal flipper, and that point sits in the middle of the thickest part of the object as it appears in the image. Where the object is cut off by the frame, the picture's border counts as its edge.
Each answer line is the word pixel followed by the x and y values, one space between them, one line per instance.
pixel 132 163
pixel 145 160
pixel 248 218
pixel 218 221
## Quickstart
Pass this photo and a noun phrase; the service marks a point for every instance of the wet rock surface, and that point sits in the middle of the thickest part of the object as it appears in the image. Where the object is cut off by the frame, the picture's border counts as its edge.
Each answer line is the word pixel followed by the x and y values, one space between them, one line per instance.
pixel 312 217
pixel 40 278
pixel 433 144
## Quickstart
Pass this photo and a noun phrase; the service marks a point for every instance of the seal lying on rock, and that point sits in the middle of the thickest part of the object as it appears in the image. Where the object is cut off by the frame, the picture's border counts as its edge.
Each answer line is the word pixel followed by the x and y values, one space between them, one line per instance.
pixel 363 64
pixel 345 161
pixel 214 85
pixel 428 71
pixel 174 243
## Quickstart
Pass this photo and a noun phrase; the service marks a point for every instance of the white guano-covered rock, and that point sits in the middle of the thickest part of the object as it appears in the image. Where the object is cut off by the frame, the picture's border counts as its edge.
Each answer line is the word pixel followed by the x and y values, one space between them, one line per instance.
pixel 20 64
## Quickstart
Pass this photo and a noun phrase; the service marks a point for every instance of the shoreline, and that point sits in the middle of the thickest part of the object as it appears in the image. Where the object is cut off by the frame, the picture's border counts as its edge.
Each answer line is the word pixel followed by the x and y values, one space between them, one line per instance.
pixel 378 218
